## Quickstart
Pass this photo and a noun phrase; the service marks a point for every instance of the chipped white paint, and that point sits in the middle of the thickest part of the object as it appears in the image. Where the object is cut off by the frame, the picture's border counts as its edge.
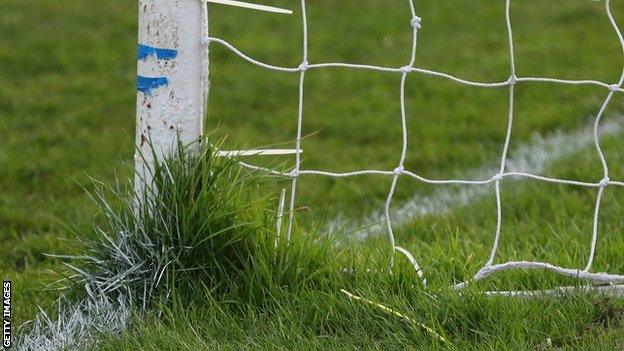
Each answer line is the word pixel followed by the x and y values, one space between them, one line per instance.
pixel 176 109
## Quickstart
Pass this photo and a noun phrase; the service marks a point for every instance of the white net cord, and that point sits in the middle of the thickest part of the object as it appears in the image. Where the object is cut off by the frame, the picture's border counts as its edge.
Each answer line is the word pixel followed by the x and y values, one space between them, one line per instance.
pixel 489 268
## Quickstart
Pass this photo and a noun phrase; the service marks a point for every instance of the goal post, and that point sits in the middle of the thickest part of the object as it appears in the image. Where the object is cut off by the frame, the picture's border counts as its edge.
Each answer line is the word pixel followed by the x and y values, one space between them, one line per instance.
pixel 172 86
pixel 172 79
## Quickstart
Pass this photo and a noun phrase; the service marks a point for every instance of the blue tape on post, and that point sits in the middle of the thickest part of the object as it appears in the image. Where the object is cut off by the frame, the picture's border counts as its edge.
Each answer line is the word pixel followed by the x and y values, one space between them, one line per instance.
pixel 162 54
pixel 146 84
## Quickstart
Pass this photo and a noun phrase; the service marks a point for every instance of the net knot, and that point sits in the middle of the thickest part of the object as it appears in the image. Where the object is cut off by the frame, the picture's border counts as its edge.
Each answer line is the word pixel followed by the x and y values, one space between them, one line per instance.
pixel 614 87
pixel 206 40
pixel 399 170
pixel 497 177
pixel 415 22
pixel 604 182
pixel 294 173
pixel 304 66
pixel 512 79
pixel 406 69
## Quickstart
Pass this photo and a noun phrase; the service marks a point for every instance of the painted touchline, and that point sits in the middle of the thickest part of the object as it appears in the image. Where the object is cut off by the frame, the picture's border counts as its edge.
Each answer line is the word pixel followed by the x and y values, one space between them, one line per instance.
pixel 533 156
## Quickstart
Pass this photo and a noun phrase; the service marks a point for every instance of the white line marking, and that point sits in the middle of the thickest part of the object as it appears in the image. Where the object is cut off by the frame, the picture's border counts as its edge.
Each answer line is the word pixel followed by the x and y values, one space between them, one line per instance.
pixel 75 324
pixel 533 156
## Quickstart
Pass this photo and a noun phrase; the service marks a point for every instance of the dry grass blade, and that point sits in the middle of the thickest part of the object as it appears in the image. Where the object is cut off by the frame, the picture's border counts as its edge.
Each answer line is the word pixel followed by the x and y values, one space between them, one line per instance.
pixel 398 314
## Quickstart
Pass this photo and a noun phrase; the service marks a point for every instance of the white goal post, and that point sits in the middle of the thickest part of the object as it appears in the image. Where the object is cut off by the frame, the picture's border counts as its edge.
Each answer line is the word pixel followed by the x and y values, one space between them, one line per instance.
pixel 172 86
pixel 172 78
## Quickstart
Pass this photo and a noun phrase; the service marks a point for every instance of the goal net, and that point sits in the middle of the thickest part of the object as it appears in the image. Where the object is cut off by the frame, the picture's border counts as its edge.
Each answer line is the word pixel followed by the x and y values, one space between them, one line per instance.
pixel 489 268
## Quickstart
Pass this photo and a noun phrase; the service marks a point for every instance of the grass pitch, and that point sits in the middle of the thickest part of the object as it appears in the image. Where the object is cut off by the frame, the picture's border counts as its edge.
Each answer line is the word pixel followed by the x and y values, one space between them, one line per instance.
pixel 66 113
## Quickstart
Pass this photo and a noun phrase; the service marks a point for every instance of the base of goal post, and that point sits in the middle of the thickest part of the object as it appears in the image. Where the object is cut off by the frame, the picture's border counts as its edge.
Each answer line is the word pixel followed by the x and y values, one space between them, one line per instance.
pixel 610 290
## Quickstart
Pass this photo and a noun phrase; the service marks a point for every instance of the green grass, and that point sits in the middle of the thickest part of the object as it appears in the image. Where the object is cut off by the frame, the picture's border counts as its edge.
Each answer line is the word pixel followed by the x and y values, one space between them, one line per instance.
pixel 66 113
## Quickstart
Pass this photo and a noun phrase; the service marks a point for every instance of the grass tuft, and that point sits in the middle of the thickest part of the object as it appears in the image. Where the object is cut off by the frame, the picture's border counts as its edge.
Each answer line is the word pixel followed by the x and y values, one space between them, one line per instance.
pixel 204 224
